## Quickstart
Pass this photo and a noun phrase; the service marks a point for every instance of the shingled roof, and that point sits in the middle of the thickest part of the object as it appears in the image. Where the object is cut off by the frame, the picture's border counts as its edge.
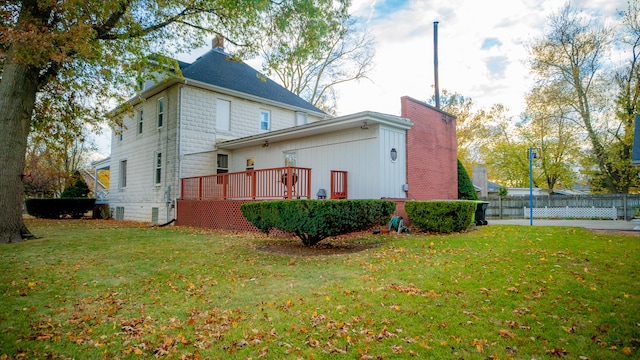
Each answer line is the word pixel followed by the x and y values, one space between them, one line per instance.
pixel 219 69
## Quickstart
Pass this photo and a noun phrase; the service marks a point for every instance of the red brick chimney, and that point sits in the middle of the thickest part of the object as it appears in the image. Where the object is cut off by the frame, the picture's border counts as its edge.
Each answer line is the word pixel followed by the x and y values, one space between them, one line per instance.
pixel 218 42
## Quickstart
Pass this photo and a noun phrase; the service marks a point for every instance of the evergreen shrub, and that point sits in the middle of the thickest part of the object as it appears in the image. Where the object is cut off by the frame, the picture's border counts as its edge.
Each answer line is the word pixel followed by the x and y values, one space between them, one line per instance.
pixel 441 216
pixel 314 220
pixel 59 208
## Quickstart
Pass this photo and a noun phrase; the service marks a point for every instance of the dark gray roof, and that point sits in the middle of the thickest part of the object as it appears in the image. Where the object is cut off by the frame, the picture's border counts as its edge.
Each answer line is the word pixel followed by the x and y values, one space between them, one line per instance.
pixel 219 69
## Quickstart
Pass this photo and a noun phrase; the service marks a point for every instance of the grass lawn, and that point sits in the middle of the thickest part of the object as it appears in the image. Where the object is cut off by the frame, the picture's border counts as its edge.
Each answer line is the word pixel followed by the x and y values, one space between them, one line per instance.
pixel 105 289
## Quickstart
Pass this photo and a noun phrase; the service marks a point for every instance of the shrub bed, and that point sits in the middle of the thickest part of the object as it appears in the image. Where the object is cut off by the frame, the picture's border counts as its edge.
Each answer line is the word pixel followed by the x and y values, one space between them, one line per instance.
pixel 58 208
pixel 441 216
pixel 314 220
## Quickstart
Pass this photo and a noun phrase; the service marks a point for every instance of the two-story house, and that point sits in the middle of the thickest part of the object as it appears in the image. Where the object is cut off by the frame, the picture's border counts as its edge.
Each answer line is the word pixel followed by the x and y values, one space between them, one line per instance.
pixel 224 117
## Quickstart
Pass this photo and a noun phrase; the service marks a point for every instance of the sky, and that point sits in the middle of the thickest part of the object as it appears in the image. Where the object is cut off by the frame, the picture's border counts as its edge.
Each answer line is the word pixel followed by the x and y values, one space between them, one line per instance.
pixel 482 50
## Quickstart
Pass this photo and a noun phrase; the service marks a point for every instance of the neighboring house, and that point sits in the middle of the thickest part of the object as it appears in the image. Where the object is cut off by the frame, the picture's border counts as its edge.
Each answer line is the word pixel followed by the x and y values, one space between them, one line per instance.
pixel 225 120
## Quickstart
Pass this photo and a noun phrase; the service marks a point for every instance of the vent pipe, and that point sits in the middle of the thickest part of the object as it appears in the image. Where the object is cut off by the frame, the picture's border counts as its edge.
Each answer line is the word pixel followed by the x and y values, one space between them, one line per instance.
pixel 435 63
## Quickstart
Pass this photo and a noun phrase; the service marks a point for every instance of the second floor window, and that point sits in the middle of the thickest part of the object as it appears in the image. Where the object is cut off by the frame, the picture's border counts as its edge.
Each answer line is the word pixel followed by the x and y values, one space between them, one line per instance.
pixel 223 115
pixel 158 169
pixel 160 112
pixel 140 120
pixel 301 118
pixel 265 120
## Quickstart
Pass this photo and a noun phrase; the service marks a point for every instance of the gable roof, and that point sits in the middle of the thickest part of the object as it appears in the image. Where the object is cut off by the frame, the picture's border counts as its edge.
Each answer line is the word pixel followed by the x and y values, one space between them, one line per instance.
pixel 219 69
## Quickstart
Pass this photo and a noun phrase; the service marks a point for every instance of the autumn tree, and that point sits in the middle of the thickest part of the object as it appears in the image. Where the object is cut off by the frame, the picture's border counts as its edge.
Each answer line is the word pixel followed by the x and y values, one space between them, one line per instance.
pixel 627 105
pixel 346 52
pixel 570 59
pixel 93 49
pixel 471 125
pixel 549 128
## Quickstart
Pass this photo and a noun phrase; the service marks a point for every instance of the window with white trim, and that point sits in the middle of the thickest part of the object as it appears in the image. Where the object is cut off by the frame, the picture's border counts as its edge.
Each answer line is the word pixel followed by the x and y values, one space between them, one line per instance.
pixel 140 120
pixel 158 169
pixel 265 120
pixel 290 158
pixel 223 115
pixel 223 164
pixel 160 112
pixel 122 179
pixel 301 118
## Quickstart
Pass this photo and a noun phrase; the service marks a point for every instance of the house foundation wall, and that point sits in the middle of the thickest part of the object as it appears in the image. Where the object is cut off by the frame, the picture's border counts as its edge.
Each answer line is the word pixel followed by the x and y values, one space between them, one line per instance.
pixel 226 215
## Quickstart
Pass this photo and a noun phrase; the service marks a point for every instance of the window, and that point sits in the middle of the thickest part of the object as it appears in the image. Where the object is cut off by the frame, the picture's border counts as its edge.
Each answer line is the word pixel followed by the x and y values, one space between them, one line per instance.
pixel 393 154
pixel 223 164
pixel 301 118
pixel 250 164
pixel 122 180
pixel 290 159
pixel 119 212
pixel 140 120
pixel 118 131
pixel 158 169
pixel 223 115
pixel 160 112
pixel 265 120
pixel 154 215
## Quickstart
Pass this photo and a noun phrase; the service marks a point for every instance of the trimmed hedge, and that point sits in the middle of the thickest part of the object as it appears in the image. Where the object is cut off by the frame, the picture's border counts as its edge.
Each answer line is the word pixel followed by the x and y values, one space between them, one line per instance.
pixel 58 208
pixel 441 216
pixel 314 220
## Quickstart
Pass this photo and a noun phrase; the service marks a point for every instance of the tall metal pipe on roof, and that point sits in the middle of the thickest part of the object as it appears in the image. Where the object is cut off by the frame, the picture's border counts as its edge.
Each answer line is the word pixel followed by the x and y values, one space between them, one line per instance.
pixel 435 63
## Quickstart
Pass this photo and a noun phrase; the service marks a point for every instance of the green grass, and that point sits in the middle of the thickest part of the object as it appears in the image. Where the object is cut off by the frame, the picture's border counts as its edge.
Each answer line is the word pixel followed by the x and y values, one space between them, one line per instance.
pixel 102 289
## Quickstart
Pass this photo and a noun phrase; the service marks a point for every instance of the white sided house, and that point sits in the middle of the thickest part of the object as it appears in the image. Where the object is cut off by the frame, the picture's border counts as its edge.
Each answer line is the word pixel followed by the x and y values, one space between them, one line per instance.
pixel 226 133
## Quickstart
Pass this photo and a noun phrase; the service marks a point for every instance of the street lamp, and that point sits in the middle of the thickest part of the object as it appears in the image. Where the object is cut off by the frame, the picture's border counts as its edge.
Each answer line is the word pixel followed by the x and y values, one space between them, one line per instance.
pixel 532 155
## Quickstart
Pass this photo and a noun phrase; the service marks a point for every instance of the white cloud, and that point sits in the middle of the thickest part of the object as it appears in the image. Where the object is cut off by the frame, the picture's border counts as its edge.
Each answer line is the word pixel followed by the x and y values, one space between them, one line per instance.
pixel 481 49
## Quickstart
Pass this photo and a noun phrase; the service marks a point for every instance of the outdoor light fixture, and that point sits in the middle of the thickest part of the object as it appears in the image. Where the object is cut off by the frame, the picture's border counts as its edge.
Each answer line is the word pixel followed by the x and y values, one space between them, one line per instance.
pixel 364 126
pixel 266 144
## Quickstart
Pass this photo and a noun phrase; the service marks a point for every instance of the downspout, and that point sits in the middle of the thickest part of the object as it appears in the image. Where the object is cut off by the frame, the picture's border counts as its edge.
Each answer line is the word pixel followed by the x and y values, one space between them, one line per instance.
pixel 435 64
pixel 178 190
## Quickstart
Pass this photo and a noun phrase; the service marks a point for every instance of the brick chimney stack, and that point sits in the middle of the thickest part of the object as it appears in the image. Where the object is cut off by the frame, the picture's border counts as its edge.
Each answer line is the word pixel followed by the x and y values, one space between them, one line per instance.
pixel 218 42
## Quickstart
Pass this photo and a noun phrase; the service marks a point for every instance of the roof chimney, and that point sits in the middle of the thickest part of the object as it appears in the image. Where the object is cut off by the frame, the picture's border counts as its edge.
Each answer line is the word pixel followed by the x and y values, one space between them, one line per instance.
pixel 218 42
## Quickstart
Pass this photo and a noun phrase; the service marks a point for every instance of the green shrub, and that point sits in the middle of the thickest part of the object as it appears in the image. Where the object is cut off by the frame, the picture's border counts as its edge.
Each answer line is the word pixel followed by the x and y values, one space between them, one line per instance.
pixel 57 208
pixel 314 220
pixel 76 188
pixel 441 216
pixel 466 191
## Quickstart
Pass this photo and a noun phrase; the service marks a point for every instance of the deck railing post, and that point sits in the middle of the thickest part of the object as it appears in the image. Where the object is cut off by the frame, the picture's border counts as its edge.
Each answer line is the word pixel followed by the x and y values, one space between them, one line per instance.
pixel 289 182
pixel 200 188
pixel 224 186
pixel 253 184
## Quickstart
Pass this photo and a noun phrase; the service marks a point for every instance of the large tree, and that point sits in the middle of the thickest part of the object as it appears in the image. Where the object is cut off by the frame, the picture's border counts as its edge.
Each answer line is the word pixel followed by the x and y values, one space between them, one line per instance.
pixel 346 53
pixel 93 49
pixel 548 128
pixel 569 58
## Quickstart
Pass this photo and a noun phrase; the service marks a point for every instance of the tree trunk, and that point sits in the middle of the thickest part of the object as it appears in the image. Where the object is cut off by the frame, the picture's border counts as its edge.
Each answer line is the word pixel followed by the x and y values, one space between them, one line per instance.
pixel 18 90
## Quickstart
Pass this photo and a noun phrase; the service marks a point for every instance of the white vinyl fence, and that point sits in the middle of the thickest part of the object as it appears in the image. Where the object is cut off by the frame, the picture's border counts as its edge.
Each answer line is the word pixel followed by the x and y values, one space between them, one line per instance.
pixel 572 213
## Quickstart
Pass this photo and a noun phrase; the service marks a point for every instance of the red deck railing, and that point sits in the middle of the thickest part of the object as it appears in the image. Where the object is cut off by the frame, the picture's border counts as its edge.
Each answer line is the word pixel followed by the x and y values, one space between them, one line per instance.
pixel 277 183
pixel 338 184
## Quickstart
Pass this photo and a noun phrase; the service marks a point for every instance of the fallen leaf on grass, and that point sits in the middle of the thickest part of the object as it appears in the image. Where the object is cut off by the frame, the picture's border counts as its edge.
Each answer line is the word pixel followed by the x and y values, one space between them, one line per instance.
pixel 559 352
